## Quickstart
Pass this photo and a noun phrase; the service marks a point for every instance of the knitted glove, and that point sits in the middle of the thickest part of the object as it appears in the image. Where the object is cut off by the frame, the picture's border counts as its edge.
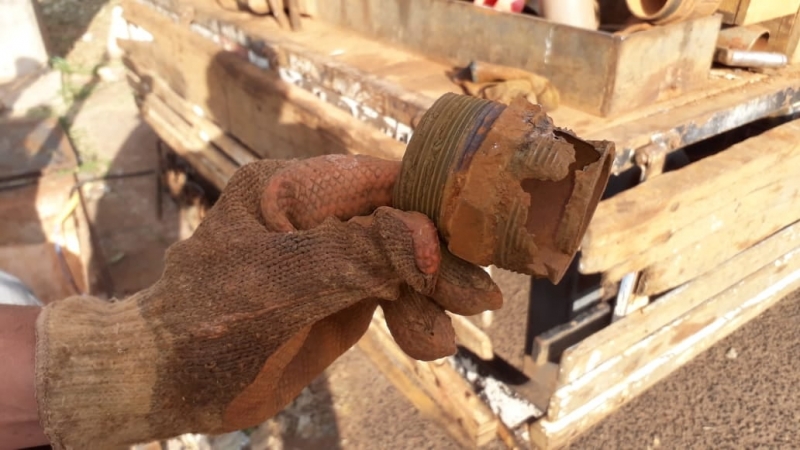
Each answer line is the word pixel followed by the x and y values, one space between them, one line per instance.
pixel 282 276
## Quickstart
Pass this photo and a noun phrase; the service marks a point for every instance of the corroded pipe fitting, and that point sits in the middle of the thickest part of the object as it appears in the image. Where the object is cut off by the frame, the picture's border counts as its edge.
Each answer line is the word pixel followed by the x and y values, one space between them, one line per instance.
pixel 502 184
pixel 751 38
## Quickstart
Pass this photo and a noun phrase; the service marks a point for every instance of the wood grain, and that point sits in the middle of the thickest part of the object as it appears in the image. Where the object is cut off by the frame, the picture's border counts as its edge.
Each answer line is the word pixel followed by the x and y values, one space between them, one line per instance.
pixel 578 406
pixel 469 336
pixel 636 220
pixel 400 85
pixel 746 12
pixel 207 130
pixel 784 36
pixel 273 118
pixel 735 226
pixel 614 340
pixel 780 207
pixel 179 136
pixel 435 388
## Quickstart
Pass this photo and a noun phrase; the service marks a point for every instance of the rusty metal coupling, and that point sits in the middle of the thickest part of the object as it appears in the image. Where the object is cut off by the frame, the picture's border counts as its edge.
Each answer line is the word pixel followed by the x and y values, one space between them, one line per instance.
pixel 503 185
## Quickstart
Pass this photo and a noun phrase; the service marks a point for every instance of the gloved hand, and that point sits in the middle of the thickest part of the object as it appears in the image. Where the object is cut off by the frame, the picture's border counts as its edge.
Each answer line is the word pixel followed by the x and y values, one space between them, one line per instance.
pixel 281 277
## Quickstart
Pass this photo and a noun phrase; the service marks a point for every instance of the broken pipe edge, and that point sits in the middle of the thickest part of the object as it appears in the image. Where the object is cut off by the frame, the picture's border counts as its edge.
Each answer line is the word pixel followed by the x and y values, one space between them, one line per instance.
pixel 502 184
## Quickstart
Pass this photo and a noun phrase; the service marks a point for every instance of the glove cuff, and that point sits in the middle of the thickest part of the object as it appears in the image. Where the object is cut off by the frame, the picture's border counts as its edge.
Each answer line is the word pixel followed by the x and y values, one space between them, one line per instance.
pixel 95 372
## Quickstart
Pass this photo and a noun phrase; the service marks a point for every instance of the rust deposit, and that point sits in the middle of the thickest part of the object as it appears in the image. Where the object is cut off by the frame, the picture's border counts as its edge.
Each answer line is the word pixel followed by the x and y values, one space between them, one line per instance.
pixel 504 186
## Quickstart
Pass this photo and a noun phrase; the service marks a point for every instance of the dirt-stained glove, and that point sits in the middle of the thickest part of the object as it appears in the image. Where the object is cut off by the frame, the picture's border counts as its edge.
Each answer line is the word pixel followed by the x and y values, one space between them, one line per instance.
pixel 281 278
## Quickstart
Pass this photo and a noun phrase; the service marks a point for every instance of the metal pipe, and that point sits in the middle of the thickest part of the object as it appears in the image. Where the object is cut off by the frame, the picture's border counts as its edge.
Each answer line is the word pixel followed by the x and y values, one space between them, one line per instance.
pixel 502 184
pixel 751 37
pixel 668 11
pixel 745 58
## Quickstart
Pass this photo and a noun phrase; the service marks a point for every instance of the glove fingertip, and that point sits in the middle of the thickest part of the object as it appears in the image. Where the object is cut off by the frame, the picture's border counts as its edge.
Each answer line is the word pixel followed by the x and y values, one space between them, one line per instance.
pixel 466 301
pixel 420 327
pixel 464 288
pixel 411 243
pixel 425 239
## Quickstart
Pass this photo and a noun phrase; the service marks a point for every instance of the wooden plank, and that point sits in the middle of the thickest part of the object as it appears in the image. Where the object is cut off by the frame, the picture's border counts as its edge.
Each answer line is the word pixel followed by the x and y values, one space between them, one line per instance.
pixel 612 341
pixel 311 127
pixel 705 113
pixel 747 12
pixel 179 136
pixel 206 129
pixel 692 335
pixel 341 67
pixel 435 388
pixel 637 219
pixel 744 220
pixel 589 56
pixel 647 352
pixel 637 64
pixel 778 211
pixel 784 36
pixel 472 338
pixel 275 119
pixel 375 78
pixel 149 83
pixel 29 231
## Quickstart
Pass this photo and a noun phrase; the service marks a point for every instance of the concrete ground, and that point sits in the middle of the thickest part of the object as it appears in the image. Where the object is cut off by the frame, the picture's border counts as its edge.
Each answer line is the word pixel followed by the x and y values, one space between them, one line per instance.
pixel 740 394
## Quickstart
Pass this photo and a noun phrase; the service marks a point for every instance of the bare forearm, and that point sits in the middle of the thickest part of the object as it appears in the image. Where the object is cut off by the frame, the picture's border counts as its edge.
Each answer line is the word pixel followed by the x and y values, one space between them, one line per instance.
pixel 19 421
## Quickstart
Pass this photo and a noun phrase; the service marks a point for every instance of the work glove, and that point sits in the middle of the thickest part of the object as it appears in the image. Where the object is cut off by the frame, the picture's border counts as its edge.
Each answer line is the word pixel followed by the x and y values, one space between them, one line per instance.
pixel 282 276
pixel 505 84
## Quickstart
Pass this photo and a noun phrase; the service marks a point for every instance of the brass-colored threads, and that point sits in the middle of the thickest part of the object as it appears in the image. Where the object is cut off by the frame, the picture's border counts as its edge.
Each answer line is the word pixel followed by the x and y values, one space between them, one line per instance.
pixel 414 166
pixel 455 133
pixel 443 134
pixel 442 150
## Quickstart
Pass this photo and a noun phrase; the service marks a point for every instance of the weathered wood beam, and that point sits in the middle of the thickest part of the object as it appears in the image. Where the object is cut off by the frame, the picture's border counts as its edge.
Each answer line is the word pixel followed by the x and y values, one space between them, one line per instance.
pixel 749 218
pixel 273 118
pixel 639 224
pixel 178 135
pixel 580 405
pixel 435 388
pixel 779 206
pixel 613 341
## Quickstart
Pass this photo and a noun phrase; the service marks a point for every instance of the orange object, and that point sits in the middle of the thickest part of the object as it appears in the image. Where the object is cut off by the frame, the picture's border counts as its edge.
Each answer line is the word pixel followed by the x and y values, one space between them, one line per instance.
pixel 503 185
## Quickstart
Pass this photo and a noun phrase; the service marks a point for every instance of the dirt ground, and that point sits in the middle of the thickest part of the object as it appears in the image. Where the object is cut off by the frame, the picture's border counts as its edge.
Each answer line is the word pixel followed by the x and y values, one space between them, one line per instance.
pixel 740 394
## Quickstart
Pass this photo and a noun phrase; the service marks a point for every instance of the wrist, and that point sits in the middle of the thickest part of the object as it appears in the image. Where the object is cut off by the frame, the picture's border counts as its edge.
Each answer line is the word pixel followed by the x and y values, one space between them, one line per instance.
pixel 19 422
pixel 95 372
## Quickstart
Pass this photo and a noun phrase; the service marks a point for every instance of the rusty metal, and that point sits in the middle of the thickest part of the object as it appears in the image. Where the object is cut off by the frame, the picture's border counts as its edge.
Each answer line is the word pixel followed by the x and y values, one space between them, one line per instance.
pixel 752 37
pixel 504 186
pixel 402 107
pixel 669 11
pixel 586 66
pixel 685 125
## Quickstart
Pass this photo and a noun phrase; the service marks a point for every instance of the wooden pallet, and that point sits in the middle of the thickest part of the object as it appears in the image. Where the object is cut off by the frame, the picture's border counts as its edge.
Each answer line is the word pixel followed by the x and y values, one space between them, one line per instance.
pixel 223 88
